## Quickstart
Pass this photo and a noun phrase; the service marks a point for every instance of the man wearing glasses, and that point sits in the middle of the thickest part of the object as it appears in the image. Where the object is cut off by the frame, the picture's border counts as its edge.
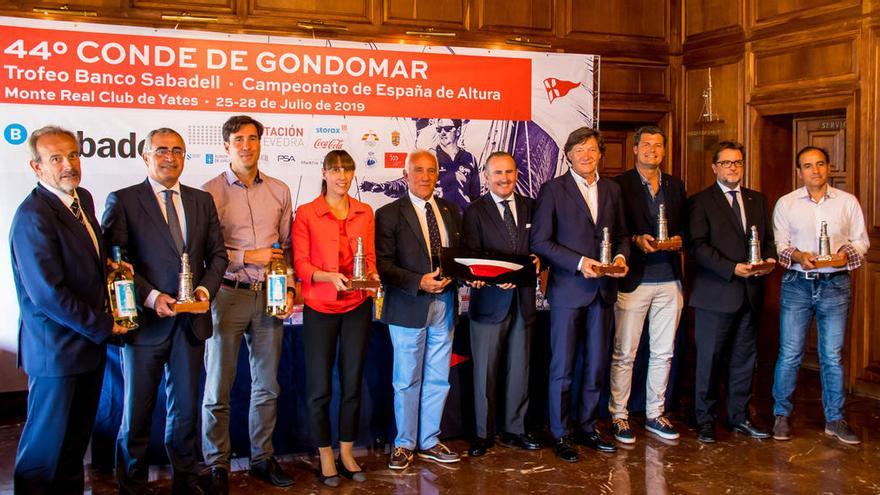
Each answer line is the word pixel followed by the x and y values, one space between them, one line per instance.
pixel 156 222
pixel 459 180
pixel 728 292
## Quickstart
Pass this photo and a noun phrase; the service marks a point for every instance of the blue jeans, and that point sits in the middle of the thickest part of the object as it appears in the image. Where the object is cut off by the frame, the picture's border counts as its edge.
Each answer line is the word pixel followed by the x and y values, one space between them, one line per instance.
pixel 827 299
pixel 421 375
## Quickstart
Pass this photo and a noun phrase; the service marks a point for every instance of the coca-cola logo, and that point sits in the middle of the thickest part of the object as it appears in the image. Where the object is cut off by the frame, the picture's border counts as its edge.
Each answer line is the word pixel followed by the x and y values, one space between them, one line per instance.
pixel 328 144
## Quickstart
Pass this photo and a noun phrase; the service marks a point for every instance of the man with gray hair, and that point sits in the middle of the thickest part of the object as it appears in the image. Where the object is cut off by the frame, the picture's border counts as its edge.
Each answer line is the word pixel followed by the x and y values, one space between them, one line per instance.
pixel 156 222
pixel 58 269
pixel 419 308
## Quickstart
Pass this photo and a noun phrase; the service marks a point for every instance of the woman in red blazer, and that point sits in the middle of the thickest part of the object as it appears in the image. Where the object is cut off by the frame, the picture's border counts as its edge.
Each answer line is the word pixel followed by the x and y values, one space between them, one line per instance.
pixel 325 234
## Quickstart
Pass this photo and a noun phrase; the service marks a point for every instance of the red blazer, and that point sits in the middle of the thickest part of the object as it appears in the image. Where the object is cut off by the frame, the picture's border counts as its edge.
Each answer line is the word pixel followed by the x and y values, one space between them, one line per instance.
pixel 316 243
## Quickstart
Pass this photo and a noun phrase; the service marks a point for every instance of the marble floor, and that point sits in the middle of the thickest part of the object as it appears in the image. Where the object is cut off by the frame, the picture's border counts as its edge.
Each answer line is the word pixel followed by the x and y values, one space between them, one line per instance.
pixel 809 463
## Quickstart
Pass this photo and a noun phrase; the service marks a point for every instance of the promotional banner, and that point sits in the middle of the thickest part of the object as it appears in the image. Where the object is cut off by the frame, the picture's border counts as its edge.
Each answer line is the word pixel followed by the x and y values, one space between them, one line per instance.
pixel 111 85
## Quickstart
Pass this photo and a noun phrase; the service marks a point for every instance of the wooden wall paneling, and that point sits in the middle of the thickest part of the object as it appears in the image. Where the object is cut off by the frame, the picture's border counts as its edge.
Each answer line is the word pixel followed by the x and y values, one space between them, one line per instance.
pixel 526 16
pixel 191 6
pixel 102 7
pixel 626 18
pixel 618 156
pixel 700 137
pixel 789 14
pixel 711 16
pixel 634 81
pixel 304 10
pixel 830 62
pixel 427 13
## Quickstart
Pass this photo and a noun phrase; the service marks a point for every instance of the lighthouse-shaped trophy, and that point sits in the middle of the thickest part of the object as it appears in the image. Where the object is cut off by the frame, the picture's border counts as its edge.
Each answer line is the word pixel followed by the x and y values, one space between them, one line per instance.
pixel 359 278
pixel 756 261
pixel 825 259
pixel 607 267
pixel 186 302
pixel 662 242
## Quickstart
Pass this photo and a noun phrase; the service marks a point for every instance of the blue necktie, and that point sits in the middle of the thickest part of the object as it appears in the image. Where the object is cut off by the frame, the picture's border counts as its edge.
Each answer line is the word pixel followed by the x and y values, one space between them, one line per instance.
pixel 737 212
pixel 173 220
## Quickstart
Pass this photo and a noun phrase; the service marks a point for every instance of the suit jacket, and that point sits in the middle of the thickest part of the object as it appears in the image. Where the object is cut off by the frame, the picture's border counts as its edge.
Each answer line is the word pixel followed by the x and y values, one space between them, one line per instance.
pixel 563 231
pixel 134 221
pixel 316 243
pixel 640 221
pixel 484 229
pixel 718 244
pixel 402 259
pixel 61 285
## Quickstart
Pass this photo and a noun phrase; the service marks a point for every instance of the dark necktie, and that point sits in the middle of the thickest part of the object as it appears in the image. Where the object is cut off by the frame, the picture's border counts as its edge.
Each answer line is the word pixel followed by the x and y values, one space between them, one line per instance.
pixel 77 211
pixel 509 223
pixel 737 212
pixel 173 220
pixel 433 233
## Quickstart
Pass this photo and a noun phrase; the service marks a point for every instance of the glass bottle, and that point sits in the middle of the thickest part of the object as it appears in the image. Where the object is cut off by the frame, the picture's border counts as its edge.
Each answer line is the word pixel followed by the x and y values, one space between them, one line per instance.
pixel 276 286
pixel 120 285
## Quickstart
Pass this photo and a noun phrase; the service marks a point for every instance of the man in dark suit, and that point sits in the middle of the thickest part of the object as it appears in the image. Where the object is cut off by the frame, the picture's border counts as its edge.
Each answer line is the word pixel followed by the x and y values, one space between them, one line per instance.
pixel 501 317
pixel 571 213
pixel 157 221
pixel 59 276
pixel 419 308
pixel 652 287
pixel 728 292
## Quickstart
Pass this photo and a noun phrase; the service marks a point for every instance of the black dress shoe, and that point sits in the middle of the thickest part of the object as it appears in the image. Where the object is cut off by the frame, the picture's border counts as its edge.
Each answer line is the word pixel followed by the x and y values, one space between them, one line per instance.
pixel 186 484
pixel 479 446
pixel 595 441
pixel 218 482
pixel 706 433
pixel 565 450
pixel 269 471
pixel 747 428
pixel 525 441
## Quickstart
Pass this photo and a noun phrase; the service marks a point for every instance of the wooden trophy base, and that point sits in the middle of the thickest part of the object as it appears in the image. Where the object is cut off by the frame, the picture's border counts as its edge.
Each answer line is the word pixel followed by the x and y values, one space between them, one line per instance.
pixel 764 265
pixel 671 244
pixel 832 263
pixel 603 270
pixel 363 284
pixel 191 307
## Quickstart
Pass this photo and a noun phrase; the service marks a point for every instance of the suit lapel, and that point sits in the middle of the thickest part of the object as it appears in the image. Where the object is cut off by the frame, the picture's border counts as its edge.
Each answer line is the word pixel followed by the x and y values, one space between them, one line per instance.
pixel 66 218
pixel 408 211
pixel 490 209
pixel 604 206
pixel 150 204
pixel 522 220
pixel 446 215
pixel 190 212
pixel 574 191
pixel 749 204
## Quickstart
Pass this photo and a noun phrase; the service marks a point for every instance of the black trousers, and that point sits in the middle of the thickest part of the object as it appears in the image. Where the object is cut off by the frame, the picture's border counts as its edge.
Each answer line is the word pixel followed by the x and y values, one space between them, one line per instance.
pixel 61 414
pixel 323 334
pixel 725 340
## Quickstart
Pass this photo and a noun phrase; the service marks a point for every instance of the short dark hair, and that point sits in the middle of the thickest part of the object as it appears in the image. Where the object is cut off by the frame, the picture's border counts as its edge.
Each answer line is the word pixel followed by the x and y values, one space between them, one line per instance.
pixel 728 145
pixel 581 135
pixel 236 122
pixel 806 149
pixel 148 141
pixel 49 130
pixel 499 154
pixel 455 122
pixel 648 129
pixel 335 158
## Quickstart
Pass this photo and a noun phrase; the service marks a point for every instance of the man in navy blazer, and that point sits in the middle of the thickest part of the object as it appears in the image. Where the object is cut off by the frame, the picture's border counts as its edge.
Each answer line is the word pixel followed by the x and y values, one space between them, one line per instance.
pixel 728 292
pixel 419 308
pixel 60 279
pixel 155 222
pixel 571 213
pixel 651 289
pixel 501 317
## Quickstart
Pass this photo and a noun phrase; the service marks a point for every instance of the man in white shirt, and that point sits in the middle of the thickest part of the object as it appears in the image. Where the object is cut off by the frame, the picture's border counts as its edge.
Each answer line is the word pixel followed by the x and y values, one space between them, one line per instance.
pixel 808 289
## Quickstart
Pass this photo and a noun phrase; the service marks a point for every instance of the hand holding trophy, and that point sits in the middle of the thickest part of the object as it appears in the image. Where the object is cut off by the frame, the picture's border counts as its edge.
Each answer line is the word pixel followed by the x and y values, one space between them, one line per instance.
pixel 186 301
pixel 825 259
pixel 359 277
pixel 607 266
pixel 757 264
pixel 663 242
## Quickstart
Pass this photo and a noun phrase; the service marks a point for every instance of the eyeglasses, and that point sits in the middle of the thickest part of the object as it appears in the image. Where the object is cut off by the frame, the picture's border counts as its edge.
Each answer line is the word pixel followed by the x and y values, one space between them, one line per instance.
pixel 166 152
pixel 446 128
pixel 730 163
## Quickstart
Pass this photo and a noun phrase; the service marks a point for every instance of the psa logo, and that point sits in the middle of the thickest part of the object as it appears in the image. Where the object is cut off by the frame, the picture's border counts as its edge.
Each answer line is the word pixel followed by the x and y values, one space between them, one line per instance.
pixel 395 160
pixel 15 134
pixel 285 159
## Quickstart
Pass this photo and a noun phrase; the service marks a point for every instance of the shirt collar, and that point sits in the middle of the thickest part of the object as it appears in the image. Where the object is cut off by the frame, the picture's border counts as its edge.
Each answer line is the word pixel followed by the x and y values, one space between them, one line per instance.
pixel 158 188
pixel 726 189
pixel 419 202
pixel 65 198
pixel 583 182
pixel 497 199
pixel 645 181
pixel 830 193
pixel 233 179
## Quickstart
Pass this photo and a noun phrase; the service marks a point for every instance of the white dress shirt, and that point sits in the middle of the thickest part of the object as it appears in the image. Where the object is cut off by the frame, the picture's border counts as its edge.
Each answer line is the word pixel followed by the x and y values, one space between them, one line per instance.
pixel 739 199
pixel 590 192
pixel 499 203
pixel 797 222
pixel 419 206
pixel 67 199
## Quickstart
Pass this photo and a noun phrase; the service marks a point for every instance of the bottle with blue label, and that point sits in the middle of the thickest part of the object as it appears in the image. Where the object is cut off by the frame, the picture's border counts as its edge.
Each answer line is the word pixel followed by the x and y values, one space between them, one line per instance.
pixel 120 285
pixel 276 286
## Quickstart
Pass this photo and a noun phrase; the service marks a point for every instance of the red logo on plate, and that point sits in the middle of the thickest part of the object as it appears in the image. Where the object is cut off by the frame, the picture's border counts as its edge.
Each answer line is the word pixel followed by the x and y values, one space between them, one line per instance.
pixel 395 160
